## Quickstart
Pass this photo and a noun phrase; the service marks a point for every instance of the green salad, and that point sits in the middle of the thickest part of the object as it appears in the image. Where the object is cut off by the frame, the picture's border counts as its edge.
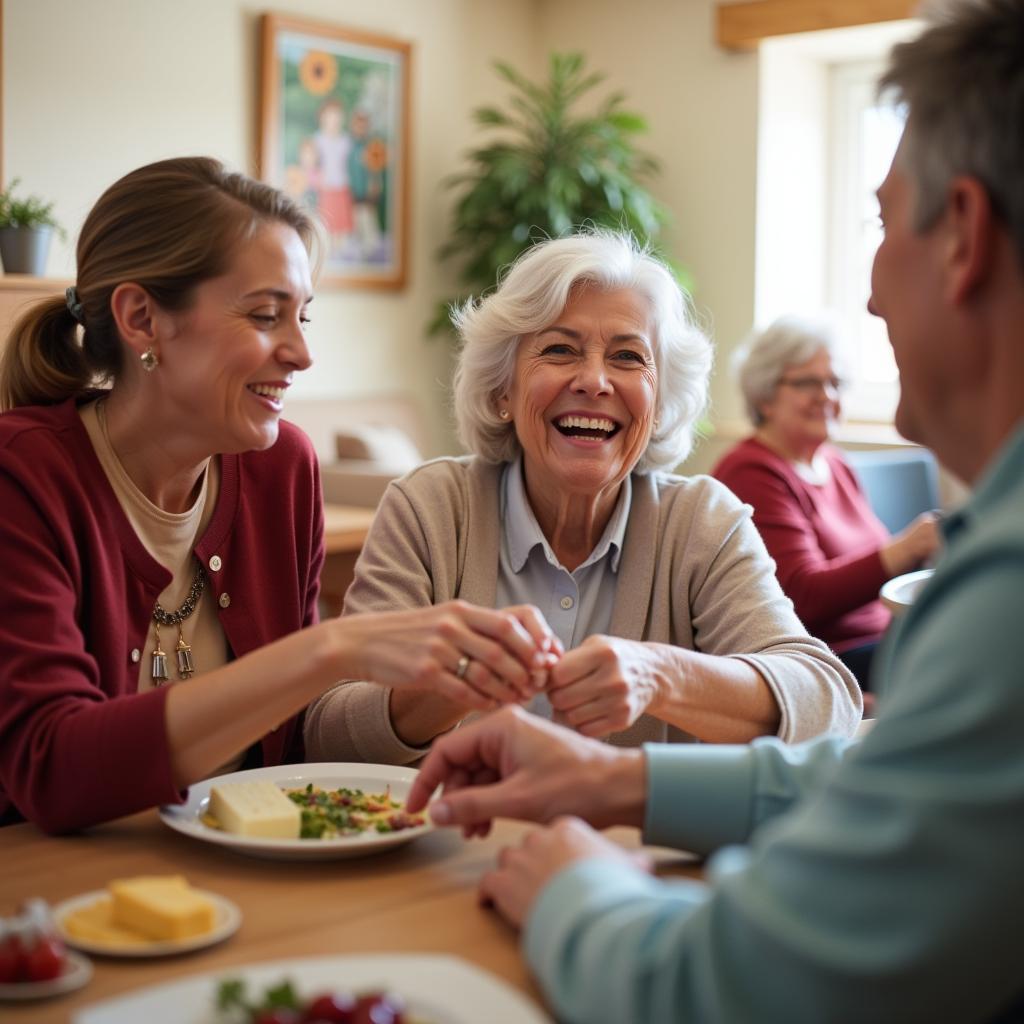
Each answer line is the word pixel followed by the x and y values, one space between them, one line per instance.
pixel 329 813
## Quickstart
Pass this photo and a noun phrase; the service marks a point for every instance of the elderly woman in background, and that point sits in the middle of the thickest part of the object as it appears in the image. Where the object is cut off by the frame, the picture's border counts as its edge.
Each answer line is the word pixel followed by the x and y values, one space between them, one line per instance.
pixel 832 554
pixel 169 528
pixel 578 384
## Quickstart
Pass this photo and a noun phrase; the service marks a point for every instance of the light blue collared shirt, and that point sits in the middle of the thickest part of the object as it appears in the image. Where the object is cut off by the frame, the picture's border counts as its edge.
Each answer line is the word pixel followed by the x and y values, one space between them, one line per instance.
pixel 575 604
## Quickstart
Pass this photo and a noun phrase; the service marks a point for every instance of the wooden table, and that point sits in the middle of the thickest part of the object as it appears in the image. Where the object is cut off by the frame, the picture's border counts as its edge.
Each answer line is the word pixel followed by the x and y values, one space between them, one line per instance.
pixel 345 530
pixel 418 898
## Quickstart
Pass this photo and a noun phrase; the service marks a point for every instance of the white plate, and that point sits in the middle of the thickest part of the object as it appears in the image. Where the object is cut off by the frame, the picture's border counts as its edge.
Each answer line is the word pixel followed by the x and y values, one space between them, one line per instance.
pixel 77 971
pixel 899 593
pixel 227 918
pixel 371 778
pixel 441 989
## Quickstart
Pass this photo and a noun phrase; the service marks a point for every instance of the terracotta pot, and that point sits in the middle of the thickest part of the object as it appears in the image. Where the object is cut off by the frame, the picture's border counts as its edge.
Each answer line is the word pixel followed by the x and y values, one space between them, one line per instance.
pixel 24 250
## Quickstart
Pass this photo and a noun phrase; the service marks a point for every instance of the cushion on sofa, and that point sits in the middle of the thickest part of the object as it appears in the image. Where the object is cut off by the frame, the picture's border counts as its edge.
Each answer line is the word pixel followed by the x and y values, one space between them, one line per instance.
pixel 385 445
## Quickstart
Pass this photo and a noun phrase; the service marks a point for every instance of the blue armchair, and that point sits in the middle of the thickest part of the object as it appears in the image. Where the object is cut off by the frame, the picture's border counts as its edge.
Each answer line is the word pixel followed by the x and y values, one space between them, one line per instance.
pixel 899 484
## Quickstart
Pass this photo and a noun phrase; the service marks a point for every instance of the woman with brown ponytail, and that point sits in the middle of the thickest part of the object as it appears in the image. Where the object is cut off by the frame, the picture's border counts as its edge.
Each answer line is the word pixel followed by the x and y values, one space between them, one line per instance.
pixel 162 525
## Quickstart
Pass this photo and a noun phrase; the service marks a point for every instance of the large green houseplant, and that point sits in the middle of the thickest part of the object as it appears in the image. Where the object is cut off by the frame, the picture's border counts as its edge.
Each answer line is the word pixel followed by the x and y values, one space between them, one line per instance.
pixel 26 226
pixel 547 169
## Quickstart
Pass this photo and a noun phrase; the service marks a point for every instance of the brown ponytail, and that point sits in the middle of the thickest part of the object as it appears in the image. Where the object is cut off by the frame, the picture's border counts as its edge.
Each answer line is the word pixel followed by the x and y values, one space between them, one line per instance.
pixel 43 362
pixel 168 227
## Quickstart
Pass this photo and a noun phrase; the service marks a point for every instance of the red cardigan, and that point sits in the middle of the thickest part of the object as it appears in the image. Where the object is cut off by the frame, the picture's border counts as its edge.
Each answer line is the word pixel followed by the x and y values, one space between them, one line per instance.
pixel 78 744
pixel 825 540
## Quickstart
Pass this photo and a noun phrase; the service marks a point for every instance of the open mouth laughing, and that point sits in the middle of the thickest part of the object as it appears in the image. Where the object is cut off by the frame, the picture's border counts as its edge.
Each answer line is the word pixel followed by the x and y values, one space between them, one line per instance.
pixel 592 428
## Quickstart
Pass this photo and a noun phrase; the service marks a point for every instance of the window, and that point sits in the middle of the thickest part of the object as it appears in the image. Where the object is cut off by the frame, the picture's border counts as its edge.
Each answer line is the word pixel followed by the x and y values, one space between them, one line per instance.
pixel 825 144
pixel 863 134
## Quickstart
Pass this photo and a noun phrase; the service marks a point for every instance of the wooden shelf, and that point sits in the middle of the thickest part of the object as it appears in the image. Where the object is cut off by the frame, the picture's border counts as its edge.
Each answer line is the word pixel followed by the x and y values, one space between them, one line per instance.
pixel 20 290
pixel 32 285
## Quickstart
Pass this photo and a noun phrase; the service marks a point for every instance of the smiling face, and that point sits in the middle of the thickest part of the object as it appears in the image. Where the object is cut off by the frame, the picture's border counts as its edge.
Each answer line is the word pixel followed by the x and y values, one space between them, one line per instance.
pixel 230 357
pixel 805 407
pixel 583 395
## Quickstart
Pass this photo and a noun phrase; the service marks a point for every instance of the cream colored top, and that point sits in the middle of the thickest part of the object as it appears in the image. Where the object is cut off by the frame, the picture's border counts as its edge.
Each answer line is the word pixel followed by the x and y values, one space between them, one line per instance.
pixel 694 572
pixel 170 538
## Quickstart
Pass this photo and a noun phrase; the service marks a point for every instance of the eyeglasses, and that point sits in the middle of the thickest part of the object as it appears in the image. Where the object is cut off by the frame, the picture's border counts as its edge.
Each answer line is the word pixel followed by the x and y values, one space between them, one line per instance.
pixel 812 385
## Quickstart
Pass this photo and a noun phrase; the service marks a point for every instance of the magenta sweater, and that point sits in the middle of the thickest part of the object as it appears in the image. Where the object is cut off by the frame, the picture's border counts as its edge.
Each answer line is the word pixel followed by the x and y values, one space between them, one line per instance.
pixel 78 744
pixel 825 540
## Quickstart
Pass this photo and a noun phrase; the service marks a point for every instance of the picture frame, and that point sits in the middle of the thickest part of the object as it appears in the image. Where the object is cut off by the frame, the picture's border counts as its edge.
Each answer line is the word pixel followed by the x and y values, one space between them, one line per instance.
pixel 334 134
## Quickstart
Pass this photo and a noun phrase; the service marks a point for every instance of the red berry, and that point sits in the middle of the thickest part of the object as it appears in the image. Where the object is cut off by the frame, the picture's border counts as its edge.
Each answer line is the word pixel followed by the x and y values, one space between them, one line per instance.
pixel 379 1008
pixel 331 1008
pixel 11 960
pixel 45 959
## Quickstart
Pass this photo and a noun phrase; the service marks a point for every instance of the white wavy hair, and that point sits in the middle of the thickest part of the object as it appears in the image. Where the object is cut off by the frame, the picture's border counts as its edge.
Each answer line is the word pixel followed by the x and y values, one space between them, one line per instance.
pixel 533 294
pixel 762 358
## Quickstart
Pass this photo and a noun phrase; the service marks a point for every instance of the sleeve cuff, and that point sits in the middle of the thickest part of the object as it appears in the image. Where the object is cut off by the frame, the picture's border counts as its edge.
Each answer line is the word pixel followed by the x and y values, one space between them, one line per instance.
pixel 573 893
pixel 699 797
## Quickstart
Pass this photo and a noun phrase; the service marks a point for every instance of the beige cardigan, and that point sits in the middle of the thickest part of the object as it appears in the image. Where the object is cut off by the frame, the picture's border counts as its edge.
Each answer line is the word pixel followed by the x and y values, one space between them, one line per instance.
pixel 693 572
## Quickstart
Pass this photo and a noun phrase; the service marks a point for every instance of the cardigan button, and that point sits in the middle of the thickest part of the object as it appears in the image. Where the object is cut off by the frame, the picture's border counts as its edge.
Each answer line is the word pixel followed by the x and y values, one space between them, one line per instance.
pixel 224 600
pixel 215 563
pixel 136 655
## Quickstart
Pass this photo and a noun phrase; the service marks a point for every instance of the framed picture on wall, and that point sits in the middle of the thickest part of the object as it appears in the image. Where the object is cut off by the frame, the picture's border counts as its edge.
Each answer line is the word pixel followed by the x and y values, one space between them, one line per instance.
pixel 334 133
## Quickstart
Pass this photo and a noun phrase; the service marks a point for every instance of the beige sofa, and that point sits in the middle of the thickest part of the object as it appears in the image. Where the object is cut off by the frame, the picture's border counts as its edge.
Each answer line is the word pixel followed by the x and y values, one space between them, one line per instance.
pixel 362 443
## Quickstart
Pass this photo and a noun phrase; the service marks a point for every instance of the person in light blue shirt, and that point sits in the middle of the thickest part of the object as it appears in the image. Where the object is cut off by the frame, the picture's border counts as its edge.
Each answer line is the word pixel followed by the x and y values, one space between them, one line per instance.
pixel 877 880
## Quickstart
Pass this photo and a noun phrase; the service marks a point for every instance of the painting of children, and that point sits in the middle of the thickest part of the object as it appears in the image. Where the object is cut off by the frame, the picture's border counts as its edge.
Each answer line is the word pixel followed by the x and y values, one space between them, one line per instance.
pixel 334 135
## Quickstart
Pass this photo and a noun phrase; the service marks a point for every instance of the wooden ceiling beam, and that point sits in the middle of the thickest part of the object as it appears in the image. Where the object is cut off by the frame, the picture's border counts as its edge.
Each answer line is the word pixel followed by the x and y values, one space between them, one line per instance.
pixel 741 26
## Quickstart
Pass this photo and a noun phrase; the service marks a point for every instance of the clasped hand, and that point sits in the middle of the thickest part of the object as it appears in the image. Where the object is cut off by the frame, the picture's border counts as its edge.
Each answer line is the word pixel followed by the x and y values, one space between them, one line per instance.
pixel 605 684
pixel 482 658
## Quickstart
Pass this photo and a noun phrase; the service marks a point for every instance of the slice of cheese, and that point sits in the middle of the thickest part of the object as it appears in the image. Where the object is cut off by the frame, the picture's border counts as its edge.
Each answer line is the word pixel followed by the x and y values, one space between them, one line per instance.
pixel 95 923
pixel 255 809
pixel 162 907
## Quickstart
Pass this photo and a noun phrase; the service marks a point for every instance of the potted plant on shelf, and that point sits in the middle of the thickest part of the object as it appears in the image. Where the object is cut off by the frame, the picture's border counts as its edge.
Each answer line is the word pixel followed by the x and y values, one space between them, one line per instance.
pixel 26 227
pixel 551 170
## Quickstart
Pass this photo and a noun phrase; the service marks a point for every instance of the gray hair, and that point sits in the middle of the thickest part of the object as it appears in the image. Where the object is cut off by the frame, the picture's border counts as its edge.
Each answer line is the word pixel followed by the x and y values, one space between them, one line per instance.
pixel 532 295
pixel 763 357
pixel 962 84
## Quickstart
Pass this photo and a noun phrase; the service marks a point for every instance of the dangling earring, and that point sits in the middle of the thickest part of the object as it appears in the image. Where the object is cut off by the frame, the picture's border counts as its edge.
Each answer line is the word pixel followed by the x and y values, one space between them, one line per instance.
pixel 149 359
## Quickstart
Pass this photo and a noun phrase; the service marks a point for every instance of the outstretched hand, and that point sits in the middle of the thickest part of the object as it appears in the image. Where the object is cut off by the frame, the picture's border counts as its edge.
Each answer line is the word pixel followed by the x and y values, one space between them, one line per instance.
pixel 513 764
pixel 477 657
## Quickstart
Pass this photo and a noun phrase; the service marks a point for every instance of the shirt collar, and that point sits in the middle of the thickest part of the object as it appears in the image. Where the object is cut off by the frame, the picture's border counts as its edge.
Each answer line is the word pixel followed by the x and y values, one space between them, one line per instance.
pixel 1003 475
pixel 523 532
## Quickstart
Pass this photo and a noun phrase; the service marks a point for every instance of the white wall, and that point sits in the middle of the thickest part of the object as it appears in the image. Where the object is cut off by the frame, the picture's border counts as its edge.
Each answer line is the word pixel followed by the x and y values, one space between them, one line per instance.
pixel 93 88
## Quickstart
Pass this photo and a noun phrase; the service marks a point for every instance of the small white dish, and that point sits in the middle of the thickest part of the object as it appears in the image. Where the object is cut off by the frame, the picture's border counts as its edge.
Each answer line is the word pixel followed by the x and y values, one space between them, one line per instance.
pixel 226 921
pixel 371 778
pixel 77 972
pixel 899 593
pixel 441 989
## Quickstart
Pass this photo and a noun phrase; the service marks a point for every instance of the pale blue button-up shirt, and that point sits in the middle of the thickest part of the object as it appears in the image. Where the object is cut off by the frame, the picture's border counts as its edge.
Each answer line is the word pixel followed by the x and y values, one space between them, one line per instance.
pixel 575 604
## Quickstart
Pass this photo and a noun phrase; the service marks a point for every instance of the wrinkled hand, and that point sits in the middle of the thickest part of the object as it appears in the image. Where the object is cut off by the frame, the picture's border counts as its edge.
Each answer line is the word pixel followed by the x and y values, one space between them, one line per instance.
pixel 913 545
pixel 605 684
pixel 515 765
pixel 509 650
pixel 522 872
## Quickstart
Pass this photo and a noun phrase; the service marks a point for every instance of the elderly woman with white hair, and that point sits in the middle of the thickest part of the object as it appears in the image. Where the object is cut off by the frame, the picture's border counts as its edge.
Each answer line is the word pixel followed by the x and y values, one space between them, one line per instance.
pixel 832 554
pixel 578 384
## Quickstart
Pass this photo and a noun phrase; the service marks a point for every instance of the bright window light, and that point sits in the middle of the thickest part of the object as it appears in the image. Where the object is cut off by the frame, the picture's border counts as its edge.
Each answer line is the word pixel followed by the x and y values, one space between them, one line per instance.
pixel 825 145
